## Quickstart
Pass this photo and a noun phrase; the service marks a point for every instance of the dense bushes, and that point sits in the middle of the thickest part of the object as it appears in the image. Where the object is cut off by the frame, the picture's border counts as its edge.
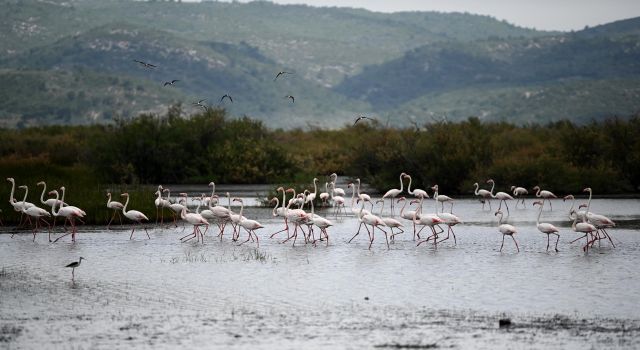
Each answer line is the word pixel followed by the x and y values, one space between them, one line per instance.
pixel 170 148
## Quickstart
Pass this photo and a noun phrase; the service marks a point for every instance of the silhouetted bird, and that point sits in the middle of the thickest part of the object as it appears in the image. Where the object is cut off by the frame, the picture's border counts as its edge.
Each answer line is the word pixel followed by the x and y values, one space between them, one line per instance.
pixel 145 64
pixel 199 104
pixel 360 118
pixel 226 96
pixel 171 82
pixel 281 73
pixel 293 99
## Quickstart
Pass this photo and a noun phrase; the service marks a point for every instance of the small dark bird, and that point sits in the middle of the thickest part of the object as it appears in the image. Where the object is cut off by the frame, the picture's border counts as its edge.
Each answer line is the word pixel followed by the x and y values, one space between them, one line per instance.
pixel 281 73
pixel 360 118
pixel 171 82
pixel 145 64
pixel 73 266
pixel 226 96
pixel 199 104
pixel 293 99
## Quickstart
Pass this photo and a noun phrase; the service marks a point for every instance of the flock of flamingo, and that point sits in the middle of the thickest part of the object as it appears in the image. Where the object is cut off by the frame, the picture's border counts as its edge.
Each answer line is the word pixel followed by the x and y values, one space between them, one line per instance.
pixel 592 226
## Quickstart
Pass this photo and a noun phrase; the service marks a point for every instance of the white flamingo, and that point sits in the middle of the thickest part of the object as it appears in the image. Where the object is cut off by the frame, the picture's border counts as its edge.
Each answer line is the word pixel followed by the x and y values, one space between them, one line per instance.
pixel 583 227
pixel 601 222
pixel 336 190
pixel 68 212
pixel 197 220
pixel 160 204
pixel 296 216
pixel 518 192
pixel 545 227
pixel 321 223
pixel 408 214
pixel 430 220
pixel 506 230
pixel 441 198
pixel 324 196
pixel 503 197
pixel 116 207
pixel 391 223
pixel 448 219
pixel 374 221
pixel 416 192
pixel 175 207
pixel 37 213
pixel 281 212
pixel 248 225
pixel 18 206
pixel 545 194
pixel 134 216
pixel 486 195
pixel 312 196
pixel 394 192
pixel 338 201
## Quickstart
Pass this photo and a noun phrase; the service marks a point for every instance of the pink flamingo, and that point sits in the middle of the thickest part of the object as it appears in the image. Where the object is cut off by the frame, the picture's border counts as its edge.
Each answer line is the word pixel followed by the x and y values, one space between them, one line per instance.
pixel 69 212
pixel 545 227
pixel 134 216
pixel 197 220
pixel 394 192
pixel 390 222
pixel 431 220
pixel 506 230
pixel 116 207
pixel 518 192
pixel 486 195
pixel 37 213
pixel 281 212
pixel 503 197
pixel 416 192
pixel 447 218
pixel 374 221
pixel 248 225
pixel 544 194
pixel 409 214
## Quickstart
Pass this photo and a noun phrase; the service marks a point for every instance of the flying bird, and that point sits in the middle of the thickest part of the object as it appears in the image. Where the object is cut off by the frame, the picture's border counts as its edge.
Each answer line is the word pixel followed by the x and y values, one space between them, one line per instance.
pixel 281 73
pixel 199 104
pixel 145 64
pixel 293 99
pixel 226 96
pixel 171 82
pixel 360 118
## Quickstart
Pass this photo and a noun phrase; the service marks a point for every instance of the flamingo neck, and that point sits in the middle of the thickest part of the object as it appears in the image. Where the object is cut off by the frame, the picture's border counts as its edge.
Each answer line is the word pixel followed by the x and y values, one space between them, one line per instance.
pixel 26 192
pixel 477 189
pixel 409 186
pixel 589 202
pixel 538 193
pixel 493 185
pixel 539 213
pixel 284 198
pixel 315 187
pixel 13 187
pixel 44 189
pixel 403 205
pixel 108 199
pixel 241 209
pixel 353 195
pixel 62 199
pixel 500 221
pixel 358 187
pixel 313 212
pixel 199 205
pixel 273 212
pixel 124 209
pixel 53 207
pixel 229 201
pixel 401 184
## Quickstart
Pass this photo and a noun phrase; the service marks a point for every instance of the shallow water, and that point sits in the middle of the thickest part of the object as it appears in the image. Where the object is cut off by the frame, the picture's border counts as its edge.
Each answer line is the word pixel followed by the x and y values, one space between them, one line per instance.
pixel 162 293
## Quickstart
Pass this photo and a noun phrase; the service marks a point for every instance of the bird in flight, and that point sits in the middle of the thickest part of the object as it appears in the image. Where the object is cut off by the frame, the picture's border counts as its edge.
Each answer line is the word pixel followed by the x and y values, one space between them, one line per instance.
pixel 360 118
pixel 293 99
pixel 226 96
pixel 145 64
pixel 171 82
pixel 281 73
pixel 199 104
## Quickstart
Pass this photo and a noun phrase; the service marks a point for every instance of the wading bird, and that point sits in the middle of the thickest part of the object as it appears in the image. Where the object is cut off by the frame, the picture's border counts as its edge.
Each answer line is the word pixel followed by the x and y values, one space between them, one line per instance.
pixel 544 194
pixel 134 216
pixel 374 221
pixel 248 225
pixel 360 117
pixel 38 214
pixel 73 266
pixel 416 192
pixel 506 230
pixel 518 192
pixel 394 192
pixel 545 227
pixel 116 207
pixel 486 195
pixel 503 197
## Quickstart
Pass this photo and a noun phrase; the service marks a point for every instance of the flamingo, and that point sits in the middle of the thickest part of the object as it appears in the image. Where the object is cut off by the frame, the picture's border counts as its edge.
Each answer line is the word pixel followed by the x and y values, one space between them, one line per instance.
pixel 160 204
pixel 583 227
pixel 248 225
pixel 321 223
pixel 73 266
pixel 17 206
pixel 394 192
pixel 312 196
pixel 416 192
pixel 324 196
pixel 601 222
pixel 518 192
pixel 36 213
pixel 176 207
pixel 581 213
pixel 69 212
pixel 296 216
pixel 222 214
pixel 441 197
pixel 336 190
pixel 502 196
pixel 544 194
pixel 506 230
pixel 134 216
pixel 390 222
pixel 364 196
pixel 116 207
pixel 281 211
pixel 408 215
pixel 49 202
pixel 374 221
pixel 197 220
pixel 486 195
pixel 545 227
pixel 355 210
pixel 338 201
pixel 447 218
pixel 431 220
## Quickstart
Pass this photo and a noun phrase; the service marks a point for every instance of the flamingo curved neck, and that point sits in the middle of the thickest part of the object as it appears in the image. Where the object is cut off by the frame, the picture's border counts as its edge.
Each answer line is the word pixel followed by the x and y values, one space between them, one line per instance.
pixel 241 209
pixel 13 187
pixel 26 192
pixel 44 189
pixel 477 189
pixel 315 187
pixel 589 202
pixel 401 210
pixel 53 207
pixel 539 213
pixel 401 183
pixel 538 192
pixel 124 209
pixel 493 185
pixel 500 221
pixel 409 186
pixel 273 212
pixel 108 199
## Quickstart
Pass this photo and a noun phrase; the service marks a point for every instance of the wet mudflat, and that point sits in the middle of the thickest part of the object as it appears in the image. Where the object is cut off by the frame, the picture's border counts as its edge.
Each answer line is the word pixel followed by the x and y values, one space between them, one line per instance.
pixel 161 293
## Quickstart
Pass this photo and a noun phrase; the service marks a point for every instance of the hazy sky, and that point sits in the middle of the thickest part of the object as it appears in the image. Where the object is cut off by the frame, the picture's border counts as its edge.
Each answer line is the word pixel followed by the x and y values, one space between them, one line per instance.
pixel 539 14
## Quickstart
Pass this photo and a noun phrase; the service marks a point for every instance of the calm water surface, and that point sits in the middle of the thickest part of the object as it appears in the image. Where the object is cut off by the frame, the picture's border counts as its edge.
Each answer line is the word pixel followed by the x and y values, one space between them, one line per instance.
pixel 161 293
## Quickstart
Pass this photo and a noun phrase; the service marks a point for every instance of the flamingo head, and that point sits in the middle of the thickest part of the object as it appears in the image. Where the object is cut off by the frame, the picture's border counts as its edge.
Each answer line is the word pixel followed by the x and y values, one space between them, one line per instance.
pixel 165 190
pixel 315 179
pixel 237 200
pixel 490 181
pixel 570 196
pixel 274 199
pixel 109 194
pixel 358 200
pixel 513 187
pixel 160 187
pixel 537 188
pixel 588 189
pixel 414 201
pixel 406 175
pixel 289 190
pixel 434 187
pixel 334 175
pixel 126 194
pixel 582 206
pixel 400 199
pixel 23 186
pixel 54 192
pixel 40 183
pixel 10 179
pixel 280 189
pixel 537 203
pixel 498 212
pixel 211 184
pixel 350 184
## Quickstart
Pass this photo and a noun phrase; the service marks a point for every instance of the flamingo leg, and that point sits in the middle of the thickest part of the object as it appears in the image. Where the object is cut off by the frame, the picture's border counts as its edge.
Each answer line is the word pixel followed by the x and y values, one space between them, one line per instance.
pixel 112 217
pixel 372 237
pixel 548 238
pixel 557 240
pixel 514 241
pixel 502 243
pixel 286 228
pixel 132 230
pixel 145 230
